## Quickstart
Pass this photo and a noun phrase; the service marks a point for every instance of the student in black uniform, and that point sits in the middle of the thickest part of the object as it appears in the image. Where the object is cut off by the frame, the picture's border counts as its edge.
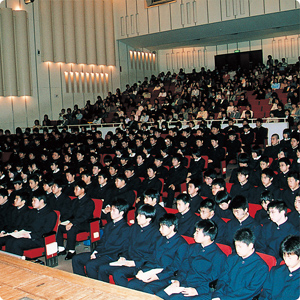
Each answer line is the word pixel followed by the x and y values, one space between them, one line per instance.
pixel 170 251
pixel 142 238
pixel 242 219
pixel 243 187
pixel 209 176
pixel 283 280
pixel 222 209
pixel 186 218
pixel 202 265
pixel 42 220
pixel 262 215
pixel 294 216
pixel 274 232
pixel 113 241
pixel 207 212
pixel 81 212
pixel 194 187
pixel 288 196
pixel 244 272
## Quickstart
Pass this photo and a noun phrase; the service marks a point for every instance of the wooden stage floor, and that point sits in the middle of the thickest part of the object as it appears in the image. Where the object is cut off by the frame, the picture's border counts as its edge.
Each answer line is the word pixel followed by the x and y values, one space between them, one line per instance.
pixel 20 279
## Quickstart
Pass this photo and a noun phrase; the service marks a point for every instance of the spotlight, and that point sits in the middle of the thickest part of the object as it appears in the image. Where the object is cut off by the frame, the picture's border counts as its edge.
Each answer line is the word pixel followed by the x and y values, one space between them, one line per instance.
pixel 28 1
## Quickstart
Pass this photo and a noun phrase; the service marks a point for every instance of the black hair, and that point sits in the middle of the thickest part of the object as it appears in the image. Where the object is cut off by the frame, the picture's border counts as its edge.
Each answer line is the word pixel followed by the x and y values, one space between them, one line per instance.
pixel 208 227
pixel 86 173
pixel 284 160
pixel 185 198
pixel 120 205
pixel 3 193
pixel 294 175
pixel 152 193
pixel 268 172
pixel 81 184
pixel 244 235
pixel 243 158
pixel 104 174
pixel 196 182
pixel 169 220
pixel 244 171
pixel 107 159
pixel 71 171
pixel 211 173
pixel 256 149
pixel 121 177
pixel 220 182
pixel 208 203
pixel 23 195
pixel 266 196
pixel 40 195
pixel 34 177
pixel 290 245
pixel 264 159
pixel 153 167
pixel 147 210
pixel 278 204
pixel 222 197
pixel 60 183
pixel 239 201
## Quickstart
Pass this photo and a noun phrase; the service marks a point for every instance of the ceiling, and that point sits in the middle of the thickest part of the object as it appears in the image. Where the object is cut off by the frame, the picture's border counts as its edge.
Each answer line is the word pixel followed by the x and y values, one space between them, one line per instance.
pixel 238 30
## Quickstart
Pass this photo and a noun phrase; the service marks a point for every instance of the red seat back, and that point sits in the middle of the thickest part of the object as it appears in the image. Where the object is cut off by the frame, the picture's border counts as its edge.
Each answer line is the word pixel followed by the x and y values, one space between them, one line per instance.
pixel 253 208
pixel 98 208
pixel 269 260
pixel 225 248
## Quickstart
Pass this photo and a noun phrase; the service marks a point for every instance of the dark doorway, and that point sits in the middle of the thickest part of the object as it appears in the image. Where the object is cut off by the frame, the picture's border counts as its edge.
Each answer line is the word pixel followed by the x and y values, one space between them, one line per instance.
pixel 245 60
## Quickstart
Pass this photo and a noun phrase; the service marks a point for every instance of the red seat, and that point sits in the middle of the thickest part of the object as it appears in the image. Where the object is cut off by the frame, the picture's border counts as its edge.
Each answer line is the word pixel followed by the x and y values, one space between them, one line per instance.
pixel 228 187
pixel 225 220
pixel 131 217
pixel 94 233
pixel 205 157
pixel 189 239
pixel 225 248
pixel 171 210
pixel 253 208
pixel 269 260
pixel 188 157
pixel 50 248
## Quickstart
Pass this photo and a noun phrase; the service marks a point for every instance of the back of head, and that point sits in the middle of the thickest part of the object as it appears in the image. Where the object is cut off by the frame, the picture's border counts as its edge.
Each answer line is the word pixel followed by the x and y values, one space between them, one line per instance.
pixel 208 203
pixel 239 202
pixel 147 210
pixel 209 228
pixel 120 205
pixel 222 196
pixel 244 235
pixel 169 220
pixel 290 245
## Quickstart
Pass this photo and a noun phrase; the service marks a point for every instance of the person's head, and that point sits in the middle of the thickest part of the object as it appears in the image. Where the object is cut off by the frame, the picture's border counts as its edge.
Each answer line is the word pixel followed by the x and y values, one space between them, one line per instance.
pixel 176 160
pixel 168 225
pixel 3 196
pixel 207 209
pixel 205 232
pixel 264 162
pixel 145 215
pixel 243 175
pixel 294 141
pixel 267 176
pixel 277 211
pixel 243 160
pixel 129 171
pixel 218 185
pixel 21 199
pixel 274 139
pixel 297 202
pixel 244 240
pixel 58 186
pixel 209 176
pixel 33 182
pixel 293 180
pixel 265 198
pixel 113 169
pixel 284 164
pixel 223 199
pixel 151 171
pixel 119 208
pixel 70 175
pixel 239 207
pixel 103 177
pixel 256 152
pixel 194 187
pixel 183 203
pixel 39 199
pixel 79 189
pixel 140 158
pixel 86 176
pixel 120 181
pixel 290 252
pixel 151 197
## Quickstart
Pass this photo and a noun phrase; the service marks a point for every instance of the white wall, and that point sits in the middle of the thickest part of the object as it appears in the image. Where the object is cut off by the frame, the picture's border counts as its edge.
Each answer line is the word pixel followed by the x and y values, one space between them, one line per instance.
pixel 285 46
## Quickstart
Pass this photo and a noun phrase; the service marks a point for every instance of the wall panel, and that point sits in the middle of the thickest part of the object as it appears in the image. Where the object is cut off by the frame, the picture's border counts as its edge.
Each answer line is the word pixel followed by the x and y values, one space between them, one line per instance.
pixel 256 7
pixel 200 12
pixel 176 15
pixel 142 18
pixel 153 19
pixel 214 11
pixel 164 17
pixel 287 4
pixel 271 6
